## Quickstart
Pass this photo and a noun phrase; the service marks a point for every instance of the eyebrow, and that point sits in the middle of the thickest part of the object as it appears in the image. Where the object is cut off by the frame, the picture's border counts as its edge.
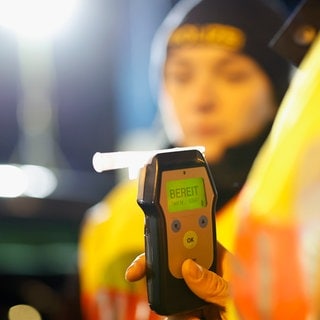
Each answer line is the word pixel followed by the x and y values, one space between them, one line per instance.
pixel 221 63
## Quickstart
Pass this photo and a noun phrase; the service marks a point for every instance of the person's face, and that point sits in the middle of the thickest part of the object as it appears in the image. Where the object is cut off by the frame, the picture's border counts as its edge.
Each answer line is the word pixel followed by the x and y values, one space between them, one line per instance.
pixel 214 98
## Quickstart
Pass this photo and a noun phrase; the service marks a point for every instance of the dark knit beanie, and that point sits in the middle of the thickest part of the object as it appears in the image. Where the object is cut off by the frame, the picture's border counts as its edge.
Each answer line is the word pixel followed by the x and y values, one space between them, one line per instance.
pixel 244 26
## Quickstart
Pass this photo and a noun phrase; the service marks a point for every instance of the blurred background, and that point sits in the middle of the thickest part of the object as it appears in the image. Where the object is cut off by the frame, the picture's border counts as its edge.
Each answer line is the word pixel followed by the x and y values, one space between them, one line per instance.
pixel 68 88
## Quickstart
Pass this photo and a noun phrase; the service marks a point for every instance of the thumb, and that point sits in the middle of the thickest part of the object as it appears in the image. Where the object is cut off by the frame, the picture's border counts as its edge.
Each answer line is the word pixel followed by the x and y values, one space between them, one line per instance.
pixel 137 269
pixel 205 284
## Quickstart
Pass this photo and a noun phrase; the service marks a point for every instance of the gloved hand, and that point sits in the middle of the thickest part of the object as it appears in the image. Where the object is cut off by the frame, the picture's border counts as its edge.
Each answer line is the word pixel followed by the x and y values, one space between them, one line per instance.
pixel 204 283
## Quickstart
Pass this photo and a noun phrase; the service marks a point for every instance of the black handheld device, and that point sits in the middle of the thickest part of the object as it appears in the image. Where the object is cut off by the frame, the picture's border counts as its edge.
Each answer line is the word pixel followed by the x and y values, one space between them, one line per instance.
pixel 178 197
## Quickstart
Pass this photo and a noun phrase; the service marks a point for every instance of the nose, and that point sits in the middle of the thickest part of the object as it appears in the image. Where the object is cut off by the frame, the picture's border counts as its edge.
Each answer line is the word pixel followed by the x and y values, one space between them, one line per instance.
pixel 204 95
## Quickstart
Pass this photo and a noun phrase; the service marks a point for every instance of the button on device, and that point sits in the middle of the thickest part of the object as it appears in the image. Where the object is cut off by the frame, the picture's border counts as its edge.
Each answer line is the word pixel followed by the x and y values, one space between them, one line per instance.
pixel 203 221
pixel 175 225
pixel 190 239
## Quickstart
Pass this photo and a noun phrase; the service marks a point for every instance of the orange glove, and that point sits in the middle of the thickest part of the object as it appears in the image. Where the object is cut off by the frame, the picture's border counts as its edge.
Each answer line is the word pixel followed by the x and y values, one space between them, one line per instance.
pixel 205 284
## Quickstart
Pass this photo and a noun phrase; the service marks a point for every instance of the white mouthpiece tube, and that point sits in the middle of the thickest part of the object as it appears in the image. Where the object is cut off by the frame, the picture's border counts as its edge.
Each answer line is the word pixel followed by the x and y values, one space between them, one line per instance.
pixel 134 160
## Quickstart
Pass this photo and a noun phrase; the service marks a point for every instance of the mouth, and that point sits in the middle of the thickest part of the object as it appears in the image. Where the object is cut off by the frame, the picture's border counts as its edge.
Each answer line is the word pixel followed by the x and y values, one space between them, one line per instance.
pixel 205 130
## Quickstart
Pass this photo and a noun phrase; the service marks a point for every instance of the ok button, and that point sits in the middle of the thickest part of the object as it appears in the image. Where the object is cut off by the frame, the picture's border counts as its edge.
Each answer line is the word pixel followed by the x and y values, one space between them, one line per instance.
pixel 190 239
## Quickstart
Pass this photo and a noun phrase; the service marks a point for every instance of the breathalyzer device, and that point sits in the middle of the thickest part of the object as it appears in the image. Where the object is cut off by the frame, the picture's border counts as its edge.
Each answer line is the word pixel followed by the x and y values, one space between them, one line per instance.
pixel 178 197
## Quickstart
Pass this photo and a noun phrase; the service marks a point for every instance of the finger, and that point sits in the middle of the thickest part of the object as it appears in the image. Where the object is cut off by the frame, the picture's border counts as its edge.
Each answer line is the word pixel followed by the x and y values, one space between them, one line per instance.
pixel 205 284
pixel 137 269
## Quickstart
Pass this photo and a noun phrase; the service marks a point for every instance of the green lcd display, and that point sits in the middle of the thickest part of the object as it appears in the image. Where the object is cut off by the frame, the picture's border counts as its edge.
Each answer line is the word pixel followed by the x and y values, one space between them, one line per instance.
pixel 185 194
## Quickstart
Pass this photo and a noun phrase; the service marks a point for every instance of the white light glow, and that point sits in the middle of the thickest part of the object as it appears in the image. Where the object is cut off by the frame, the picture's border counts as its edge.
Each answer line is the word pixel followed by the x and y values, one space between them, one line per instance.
pixel 13 181
pixel 22 311
pixel 41 181
pixel 36 18
pixel 27 180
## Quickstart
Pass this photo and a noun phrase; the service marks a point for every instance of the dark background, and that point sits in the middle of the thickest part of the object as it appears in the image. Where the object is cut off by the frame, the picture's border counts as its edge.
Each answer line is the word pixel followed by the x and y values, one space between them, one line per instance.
pixel 100 96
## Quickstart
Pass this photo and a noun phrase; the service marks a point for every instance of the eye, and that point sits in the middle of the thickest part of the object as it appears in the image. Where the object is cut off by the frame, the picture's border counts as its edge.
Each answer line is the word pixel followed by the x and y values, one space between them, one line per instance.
pixel 235 75
pixel 179 77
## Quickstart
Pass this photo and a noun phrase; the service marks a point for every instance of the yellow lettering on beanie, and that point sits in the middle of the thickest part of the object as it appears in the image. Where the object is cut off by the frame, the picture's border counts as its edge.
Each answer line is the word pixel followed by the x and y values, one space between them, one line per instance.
pixel 217 34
